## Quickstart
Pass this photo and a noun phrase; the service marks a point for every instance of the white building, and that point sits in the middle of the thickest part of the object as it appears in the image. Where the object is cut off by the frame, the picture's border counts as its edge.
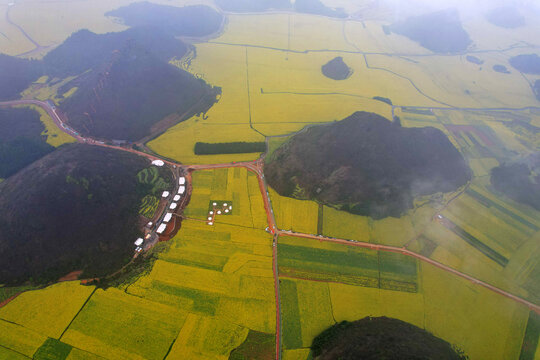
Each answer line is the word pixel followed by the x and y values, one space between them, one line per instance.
pixel 182 181
pixel 165 194
pixel 167 218
pixel 176 197
pixel 173 206
pixel 139 242
pixel 181 189
pixel 158 162
pixel 161 228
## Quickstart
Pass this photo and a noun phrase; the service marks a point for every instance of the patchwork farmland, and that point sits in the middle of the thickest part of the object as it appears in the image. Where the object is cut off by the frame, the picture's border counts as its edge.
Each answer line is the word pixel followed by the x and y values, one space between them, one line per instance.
pixel 263 279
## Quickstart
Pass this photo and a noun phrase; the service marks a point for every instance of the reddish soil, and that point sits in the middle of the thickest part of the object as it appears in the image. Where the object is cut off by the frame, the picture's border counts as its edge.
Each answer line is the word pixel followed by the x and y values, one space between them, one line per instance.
pixel 7 301
pixel 74 275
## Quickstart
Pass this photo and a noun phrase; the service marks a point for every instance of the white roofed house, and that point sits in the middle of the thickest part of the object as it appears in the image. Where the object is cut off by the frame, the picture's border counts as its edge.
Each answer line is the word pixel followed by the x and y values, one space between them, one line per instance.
pixel 182 181
pixel 181 190
pixel 176 198
pixel 139 242
pixel 161 228
pixel 173 206
pixel 167 218
pixel 165 194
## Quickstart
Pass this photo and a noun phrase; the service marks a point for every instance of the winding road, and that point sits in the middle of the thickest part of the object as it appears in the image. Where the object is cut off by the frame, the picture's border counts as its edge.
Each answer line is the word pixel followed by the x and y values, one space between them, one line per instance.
pixel 257 167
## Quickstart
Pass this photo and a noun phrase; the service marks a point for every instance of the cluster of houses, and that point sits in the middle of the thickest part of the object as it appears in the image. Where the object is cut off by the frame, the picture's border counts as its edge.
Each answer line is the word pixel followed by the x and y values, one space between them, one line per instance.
pixel 168 216
pixel 218 210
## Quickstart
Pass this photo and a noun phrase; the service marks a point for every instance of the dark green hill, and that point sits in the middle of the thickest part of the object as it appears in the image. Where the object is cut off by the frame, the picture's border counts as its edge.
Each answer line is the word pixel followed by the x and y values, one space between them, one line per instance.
pixel 253 5
pixel 194 21
pixel 507 17
pixel 366 165
pixel 85 50
pixel 16 75
pixel 125 96
pixel 21 142
pixel 440 32
pixel 527 63
pixel 380 338
pixel 336 69
pixel 76 208
pixel 519 181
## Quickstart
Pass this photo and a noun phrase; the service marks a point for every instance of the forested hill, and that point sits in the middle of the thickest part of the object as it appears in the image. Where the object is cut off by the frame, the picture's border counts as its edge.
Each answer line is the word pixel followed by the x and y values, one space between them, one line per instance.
pixel 75 209
pixel 366 165
pixel 16 75
pixel 380 338
pixel 21 140
pixel 124 96
pixel 85 50
pixel 440 31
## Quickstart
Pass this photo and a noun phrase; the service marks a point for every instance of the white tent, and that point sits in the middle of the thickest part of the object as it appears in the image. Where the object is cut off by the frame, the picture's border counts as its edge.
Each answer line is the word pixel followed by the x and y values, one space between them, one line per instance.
pixel 161 228
pixel 165 194
pixel 182 181
pixel 181 189
pixel 139 242
pixel 158 163
pixel 173 206
pixel 167 218
pixel 176 197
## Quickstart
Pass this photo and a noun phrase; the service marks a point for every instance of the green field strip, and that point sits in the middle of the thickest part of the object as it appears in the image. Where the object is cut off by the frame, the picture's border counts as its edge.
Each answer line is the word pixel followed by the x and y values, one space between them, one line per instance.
pixel 477 244
pixel 416 111
pixel 53 349
pixel 313 275
pixel 320 219
pixel 466 139
pixel 197 259
pixel 375 269
pixel 290 315
pixel 489 203
pixel 204 302
pixel 530 340
pixel 329 257
pixel 428 246
pixel 258 345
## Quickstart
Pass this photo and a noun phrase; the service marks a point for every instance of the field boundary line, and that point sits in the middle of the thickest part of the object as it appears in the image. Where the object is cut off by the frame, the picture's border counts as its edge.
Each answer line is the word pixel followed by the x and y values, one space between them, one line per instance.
pixel 78 312
pixel 15 351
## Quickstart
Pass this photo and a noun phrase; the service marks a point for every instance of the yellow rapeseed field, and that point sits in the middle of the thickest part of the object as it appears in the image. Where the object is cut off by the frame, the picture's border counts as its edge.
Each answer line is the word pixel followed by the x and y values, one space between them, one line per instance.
pixel 343 225
pixel 116 325
pixel 20 339
pixel 235 185
pixel 55 136
pixel 207 338
pixel 295 215
pixel 40 310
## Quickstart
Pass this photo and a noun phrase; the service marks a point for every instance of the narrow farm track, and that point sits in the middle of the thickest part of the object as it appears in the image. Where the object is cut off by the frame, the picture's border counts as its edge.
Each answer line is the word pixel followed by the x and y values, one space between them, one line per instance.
pixel 257 167
pixel 37 47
